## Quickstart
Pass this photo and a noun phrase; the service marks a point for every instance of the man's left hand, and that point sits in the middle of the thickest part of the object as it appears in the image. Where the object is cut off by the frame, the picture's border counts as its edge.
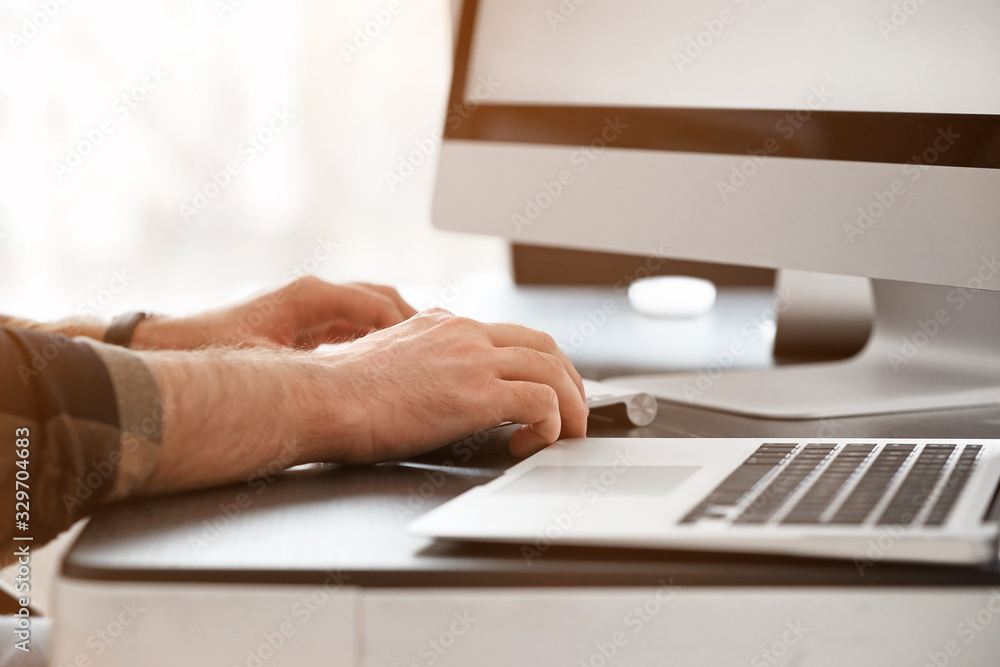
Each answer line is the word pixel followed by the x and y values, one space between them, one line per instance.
pixel 304 314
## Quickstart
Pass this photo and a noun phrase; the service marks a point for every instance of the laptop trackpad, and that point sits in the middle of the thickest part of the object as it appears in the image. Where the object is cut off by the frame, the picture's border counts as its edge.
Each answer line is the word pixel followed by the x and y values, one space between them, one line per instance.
pixel 571 480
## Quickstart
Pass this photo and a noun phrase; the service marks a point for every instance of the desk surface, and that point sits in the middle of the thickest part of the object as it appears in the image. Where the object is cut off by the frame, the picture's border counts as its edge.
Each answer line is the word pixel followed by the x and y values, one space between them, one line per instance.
pixel 316 520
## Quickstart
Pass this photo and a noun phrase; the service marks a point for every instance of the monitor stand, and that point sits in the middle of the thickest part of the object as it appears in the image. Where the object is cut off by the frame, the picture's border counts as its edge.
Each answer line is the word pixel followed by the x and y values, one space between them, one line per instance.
pixel 931 348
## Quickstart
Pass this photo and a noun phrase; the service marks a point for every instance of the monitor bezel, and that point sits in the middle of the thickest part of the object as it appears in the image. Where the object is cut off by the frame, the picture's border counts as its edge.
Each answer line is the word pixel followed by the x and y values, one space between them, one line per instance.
pixel 869 136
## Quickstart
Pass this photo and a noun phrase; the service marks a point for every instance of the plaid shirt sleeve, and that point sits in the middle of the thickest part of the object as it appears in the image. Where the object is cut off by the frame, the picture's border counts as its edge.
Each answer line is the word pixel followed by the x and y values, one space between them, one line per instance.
pixel 94 421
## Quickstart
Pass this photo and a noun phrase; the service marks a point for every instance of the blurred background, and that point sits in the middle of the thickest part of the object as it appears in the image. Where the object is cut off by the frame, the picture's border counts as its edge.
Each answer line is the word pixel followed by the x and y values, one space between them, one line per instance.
pixel 172 155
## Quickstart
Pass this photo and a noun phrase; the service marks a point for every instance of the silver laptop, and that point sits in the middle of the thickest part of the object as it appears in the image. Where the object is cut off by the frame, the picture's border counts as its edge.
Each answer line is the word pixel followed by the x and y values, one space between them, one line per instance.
pixel 865 499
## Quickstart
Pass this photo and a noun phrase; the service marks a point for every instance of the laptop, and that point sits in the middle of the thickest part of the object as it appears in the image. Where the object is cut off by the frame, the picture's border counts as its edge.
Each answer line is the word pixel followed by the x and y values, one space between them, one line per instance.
pixel 864 499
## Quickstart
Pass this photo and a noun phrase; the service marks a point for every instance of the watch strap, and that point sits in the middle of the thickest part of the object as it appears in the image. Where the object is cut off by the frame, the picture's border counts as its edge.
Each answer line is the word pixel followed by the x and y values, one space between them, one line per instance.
pixel 121 328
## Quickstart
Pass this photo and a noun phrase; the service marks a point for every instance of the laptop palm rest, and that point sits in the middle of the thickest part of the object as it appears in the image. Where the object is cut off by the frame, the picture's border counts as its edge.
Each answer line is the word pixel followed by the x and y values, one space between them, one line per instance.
pixel 586 480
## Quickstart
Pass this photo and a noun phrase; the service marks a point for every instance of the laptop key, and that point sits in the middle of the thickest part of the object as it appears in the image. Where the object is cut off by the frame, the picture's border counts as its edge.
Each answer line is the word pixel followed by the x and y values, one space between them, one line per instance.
pixel 876 479
pixel 920 482
pixel 741 481
pixel 819 496
pixel 784 484
pixel 960 474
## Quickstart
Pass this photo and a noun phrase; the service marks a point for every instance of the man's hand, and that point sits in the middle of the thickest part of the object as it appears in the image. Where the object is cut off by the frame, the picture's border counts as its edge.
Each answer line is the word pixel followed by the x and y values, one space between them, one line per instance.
pixel 303 314
pixel 437 378
pixel 395 393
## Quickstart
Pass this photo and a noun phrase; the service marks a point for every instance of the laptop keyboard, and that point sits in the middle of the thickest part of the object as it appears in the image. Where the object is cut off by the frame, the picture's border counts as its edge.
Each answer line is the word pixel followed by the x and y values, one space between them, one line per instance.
pixel 834 484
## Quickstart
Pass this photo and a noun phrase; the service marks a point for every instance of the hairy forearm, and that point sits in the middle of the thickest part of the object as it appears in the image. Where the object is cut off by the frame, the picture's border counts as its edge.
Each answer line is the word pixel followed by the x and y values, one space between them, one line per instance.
pixel 231 413
pixel 161 332
pixel 89 327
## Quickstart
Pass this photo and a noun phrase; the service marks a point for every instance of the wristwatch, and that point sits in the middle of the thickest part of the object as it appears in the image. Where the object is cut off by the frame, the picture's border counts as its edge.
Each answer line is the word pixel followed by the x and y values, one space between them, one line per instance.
pixel 121 328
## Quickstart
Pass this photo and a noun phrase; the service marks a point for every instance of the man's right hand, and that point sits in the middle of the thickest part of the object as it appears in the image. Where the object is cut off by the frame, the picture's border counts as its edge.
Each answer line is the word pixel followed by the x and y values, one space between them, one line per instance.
pixel 436 378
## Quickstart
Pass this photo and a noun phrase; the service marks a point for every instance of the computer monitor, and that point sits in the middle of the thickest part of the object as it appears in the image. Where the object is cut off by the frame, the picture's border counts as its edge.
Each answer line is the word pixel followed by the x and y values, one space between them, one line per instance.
pixel 855 137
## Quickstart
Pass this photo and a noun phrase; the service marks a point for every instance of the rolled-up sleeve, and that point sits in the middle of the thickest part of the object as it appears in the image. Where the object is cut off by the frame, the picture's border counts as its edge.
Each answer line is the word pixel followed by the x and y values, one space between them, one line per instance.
pixel 80 425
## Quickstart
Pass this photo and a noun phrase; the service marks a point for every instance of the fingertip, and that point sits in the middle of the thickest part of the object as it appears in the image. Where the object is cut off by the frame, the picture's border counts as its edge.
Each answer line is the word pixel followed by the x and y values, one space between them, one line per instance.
pixel 579 432
pixel 526 441
pixel 406 309
pixel 537 442
pixel 393 314
pixel 581 418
